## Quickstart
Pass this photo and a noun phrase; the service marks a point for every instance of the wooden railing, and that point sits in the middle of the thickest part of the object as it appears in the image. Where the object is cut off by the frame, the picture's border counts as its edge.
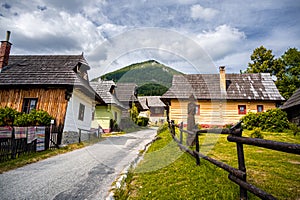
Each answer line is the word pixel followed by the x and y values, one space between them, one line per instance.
pixel 239 175
pixel 13 145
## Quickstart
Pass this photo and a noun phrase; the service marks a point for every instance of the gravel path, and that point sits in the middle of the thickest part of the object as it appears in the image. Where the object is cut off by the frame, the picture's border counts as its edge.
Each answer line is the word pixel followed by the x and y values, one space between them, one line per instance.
pixel 85 173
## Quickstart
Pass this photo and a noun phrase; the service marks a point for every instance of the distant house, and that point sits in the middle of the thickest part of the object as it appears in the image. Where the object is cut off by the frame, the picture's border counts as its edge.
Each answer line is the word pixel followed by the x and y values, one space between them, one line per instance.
pixel 57 84
pixel 221 98
pixel 111 111
pixel 126 93
pixel 155 107
pixel 292 107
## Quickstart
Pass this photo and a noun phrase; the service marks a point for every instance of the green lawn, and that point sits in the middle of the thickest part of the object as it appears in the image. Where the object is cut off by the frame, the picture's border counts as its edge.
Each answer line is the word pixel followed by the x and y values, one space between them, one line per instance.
pixel 168 173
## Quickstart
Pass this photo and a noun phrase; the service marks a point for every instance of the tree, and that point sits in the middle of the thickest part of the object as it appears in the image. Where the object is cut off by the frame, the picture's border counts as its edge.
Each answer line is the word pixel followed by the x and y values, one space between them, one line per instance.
pixel 134 113
pixel 263 60
pixel 286 68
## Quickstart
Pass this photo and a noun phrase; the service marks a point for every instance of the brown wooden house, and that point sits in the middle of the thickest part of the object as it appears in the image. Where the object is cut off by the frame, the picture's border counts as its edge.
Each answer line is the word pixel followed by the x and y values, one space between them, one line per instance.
pixel 292 107
pixel 221 98
pixel 155 107
pixel 126 94
pixel 57 84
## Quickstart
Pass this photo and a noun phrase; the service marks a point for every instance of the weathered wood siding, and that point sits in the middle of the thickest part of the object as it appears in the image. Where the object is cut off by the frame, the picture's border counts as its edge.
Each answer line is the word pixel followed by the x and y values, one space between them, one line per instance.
pixel 215 112
pixel 51 100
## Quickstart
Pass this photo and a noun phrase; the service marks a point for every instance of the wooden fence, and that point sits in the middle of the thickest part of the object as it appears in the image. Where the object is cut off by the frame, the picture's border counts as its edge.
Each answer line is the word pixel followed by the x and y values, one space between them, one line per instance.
pixel 239 175
pixel 13 144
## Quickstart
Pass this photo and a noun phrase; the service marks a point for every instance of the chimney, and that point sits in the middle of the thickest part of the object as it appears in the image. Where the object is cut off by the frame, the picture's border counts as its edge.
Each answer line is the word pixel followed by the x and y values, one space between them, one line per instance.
pixel 222 79
pixel 4 51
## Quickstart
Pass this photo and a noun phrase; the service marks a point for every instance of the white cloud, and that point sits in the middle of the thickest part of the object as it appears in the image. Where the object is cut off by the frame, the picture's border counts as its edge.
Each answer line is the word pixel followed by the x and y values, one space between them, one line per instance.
pixel 222 41
pixel 199 12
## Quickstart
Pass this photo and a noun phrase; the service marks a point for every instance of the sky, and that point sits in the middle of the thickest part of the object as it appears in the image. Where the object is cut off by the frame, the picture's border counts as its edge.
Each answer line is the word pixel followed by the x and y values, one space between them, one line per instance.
pixel 188 35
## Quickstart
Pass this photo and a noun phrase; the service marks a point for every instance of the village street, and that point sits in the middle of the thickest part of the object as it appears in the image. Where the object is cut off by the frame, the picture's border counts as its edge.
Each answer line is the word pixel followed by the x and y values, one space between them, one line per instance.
pixel 81 174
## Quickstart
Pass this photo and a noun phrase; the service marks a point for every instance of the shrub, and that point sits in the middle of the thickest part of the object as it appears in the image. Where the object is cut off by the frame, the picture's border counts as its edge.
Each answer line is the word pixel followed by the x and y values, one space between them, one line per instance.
pixel 142 121
pixel 7 116
pixel 257 133
pixel 114 126
pixel 274 120
pixel 39 118
pixel 134 113
pixel 163 128
pixel 294 128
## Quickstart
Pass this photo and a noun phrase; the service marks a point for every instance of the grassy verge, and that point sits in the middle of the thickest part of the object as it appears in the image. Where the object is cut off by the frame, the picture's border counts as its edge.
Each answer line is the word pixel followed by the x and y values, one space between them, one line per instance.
pixel 37 156
pixel 167 173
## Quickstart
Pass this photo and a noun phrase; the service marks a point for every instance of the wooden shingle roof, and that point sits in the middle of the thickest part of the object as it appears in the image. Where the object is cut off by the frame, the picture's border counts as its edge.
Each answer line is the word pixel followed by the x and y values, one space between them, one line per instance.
pixel 46 71
pixel 143 102
pixel 126 92
pixel 238 87
pixel 293 101
pixel 103 88
pixel 152 101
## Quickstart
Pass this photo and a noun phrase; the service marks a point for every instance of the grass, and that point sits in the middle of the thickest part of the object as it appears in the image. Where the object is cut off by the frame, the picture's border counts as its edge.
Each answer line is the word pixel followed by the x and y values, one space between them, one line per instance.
pixel 37 156
pixel 167 173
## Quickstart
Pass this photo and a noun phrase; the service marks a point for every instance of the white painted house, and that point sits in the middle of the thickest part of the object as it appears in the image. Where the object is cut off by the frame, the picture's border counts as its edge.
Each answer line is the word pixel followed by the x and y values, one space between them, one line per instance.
pixel 57 84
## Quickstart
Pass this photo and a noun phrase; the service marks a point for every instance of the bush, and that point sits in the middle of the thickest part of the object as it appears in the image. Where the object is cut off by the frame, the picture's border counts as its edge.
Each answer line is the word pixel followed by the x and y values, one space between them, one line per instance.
pixel 7 116
pixel 294 128
pixel 163 128
pixel 257 133
pixel 274 120
pixel 142 121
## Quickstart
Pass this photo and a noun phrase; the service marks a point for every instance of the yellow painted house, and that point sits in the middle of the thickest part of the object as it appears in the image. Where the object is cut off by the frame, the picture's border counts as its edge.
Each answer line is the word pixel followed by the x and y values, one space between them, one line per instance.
pixel 221 98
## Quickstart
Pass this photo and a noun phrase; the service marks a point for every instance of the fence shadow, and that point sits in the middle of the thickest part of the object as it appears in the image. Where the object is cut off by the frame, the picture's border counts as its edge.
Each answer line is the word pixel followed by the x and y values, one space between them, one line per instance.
pixel 238 176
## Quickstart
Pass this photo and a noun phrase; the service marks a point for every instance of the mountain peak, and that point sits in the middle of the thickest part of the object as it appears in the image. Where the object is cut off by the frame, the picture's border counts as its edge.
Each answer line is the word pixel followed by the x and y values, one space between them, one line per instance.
pixel 144 74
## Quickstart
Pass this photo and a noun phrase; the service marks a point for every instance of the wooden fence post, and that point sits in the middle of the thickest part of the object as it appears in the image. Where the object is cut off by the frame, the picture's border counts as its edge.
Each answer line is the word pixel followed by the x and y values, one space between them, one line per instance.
pixel 181 127
pixel 172 127
pixel 242 167
pixel 197 148
pixel 13 145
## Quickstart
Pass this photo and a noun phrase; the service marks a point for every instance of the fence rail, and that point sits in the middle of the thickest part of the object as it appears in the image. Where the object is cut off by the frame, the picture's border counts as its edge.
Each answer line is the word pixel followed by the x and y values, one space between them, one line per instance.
pixel 18 141
pixel 239 175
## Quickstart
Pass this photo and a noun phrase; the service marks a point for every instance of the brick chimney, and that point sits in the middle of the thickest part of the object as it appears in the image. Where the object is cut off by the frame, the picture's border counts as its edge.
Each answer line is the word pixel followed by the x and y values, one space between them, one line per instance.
pixel 4 51
pixel 222 79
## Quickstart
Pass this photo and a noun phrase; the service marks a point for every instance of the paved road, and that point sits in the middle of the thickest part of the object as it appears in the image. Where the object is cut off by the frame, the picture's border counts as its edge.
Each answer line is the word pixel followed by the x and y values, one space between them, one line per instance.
pixel 81 174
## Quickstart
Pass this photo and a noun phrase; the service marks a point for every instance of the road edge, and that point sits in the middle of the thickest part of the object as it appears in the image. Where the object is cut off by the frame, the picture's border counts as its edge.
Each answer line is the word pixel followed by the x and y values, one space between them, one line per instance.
pixel 123 175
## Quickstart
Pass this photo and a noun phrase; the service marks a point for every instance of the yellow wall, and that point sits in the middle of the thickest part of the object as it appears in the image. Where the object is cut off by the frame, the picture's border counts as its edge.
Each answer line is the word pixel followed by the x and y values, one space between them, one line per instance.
pixel 215 112
pixel 103 114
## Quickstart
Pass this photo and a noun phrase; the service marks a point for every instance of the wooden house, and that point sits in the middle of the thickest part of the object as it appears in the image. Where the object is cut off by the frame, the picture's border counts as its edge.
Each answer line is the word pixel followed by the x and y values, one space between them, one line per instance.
pixel 155 107
pixel 57 84
pixel 111 111
pixel 221 98
pixel 126 93
pixel 292 107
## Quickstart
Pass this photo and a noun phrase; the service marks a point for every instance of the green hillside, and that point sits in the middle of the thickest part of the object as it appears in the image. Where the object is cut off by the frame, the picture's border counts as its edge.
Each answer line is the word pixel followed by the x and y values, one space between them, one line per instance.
pixel 152 77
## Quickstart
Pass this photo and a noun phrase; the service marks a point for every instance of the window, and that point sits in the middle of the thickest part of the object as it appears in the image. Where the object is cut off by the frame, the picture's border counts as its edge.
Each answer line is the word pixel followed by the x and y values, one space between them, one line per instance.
pixel 197 110
pixel 93 115
pixel 81 112
pixel 260 108
pixel 116 116
pixel 242 109
pixel 29 104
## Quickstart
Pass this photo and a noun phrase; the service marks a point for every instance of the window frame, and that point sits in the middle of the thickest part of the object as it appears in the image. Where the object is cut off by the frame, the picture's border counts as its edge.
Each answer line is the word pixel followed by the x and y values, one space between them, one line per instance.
pixel 27 104
pixel 262 108
pixel 81 112
pixel 242 112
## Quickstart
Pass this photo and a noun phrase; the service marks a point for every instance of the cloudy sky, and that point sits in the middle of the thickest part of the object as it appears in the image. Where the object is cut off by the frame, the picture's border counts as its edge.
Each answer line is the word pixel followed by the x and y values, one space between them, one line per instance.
pixel 189 35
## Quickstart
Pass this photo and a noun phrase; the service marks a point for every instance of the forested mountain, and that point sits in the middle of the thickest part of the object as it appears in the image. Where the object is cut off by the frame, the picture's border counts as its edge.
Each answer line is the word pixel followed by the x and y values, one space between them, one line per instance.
pixel 152 77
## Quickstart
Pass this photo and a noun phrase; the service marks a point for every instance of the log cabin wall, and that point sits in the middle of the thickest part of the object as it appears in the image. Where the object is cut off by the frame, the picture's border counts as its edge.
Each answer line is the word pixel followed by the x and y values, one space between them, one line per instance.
pixel 216 112
pixel 51 100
